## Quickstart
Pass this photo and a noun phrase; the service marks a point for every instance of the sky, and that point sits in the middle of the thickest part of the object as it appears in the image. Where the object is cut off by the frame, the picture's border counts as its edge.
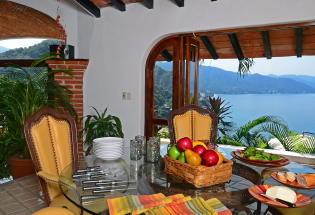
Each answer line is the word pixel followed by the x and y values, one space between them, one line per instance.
pixel 19 43
pixel 277 65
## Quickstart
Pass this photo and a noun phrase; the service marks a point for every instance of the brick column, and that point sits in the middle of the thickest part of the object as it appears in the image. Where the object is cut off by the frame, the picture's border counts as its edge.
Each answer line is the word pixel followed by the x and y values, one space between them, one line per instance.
pixel 75 84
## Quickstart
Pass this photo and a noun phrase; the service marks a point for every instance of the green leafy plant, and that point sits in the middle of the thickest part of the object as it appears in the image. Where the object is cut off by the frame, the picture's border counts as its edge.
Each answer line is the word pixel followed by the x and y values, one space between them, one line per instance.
pixel 100 125
pixel 163 133
pixel 290 140
pixel 252 133
pixel 245 65
pixel 222 109
pixel 23 91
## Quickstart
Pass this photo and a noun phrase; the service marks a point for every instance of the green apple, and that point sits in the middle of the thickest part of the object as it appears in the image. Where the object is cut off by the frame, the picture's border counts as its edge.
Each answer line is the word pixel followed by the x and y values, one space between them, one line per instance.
pixel 182 158
pixel 173 152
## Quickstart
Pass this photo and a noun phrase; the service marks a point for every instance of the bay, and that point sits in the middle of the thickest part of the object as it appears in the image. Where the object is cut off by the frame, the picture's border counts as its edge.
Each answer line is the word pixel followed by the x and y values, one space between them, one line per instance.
pixel 296 110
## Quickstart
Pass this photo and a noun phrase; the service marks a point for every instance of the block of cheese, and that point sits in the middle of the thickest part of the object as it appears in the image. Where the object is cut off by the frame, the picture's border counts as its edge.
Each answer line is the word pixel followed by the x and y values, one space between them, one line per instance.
pixel 283 193
pixel 306 179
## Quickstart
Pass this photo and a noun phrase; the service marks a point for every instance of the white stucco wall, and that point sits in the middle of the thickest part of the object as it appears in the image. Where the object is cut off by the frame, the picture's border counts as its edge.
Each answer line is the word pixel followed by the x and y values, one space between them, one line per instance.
pixel 121 41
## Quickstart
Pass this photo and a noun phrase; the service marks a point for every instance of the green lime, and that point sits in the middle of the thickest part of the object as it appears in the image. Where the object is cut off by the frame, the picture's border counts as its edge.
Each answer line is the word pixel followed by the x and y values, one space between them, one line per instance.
pixel 182 158
pixel 173 152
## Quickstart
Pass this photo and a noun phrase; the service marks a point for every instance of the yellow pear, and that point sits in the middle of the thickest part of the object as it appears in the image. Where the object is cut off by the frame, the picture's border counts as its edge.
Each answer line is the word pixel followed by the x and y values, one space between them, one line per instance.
pixel 192 158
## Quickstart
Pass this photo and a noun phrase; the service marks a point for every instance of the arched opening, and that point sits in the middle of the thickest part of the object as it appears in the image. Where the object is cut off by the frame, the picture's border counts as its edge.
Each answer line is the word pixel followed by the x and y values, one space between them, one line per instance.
pixel 172 60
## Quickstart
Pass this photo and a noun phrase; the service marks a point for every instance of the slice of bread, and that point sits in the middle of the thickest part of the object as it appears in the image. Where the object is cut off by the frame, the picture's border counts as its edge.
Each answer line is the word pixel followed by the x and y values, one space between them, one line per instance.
pixel 281 176
pixel 291 176
pixel 306 180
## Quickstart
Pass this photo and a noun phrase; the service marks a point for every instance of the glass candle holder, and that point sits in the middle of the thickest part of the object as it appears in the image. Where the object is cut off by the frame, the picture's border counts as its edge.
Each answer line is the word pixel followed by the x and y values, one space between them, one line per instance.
pixel 135 150
pixel 143 142
pixel 153 150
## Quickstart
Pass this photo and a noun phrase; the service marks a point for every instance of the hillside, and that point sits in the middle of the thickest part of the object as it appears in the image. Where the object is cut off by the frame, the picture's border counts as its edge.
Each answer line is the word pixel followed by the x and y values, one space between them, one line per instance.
pixel 219 81
pixel 306 79
pixel 32 52
pixel 3 49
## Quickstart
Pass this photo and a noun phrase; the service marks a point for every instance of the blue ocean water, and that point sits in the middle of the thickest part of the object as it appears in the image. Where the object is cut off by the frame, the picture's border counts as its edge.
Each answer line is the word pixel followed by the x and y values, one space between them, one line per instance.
pixel 297 110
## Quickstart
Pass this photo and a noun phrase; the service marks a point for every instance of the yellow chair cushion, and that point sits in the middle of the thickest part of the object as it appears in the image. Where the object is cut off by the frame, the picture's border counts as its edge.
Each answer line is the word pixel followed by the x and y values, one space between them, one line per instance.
pixel 183 126
pixel 53 211
pixel 201 126
pixel 307 210
pixel 193 125
pixel 53 148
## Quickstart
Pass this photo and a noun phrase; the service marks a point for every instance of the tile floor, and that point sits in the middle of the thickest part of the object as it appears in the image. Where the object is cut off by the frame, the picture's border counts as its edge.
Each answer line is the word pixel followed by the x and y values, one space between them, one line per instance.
pixel 21 196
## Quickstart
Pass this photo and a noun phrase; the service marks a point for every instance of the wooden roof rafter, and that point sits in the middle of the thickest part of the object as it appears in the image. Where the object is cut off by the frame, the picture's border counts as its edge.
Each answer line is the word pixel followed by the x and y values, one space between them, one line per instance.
pixel 236 46
pixel 166 55
pixel 119 4
pixel 259 42
pixel 299 41
pixel 89 7
pixel 266 41
pixel 180 3
pixel 148 4
pixel 209 47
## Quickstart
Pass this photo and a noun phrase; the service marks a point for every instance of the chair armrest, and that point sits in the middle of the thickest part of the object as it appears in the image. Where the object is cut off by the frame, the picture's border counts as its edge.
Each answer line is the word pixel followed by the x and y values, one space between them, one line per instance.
pixel 48 177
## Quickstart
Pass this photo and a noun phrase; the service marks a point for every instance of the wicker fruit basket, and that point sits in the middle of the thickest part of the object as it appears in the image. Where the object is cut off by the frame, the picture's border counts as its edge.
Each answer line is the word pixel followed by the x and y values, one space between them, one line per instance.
pixel 199 177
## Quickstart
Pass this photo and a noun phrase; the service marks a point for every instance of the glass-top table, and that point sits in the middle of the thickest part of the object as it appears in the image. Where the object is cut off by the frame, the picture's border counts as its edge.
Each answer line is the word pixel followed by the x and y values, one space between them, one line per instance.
pixel 142 178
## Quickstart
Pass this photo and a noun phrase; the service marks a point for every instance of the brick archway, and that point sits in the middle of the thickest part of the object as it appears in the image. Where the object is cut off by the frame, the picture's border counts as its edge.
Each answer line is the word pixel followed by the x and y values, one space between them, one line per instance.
pixel 18 21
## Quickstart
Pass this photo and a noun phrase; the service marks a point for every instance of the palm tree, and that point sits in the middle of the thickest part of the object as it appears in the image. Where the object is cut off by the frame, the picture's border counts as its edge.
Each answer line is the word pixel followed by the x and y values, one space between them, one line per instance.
pixel 245 65
pixel 253 132
pixel 290 140
pixel 222 109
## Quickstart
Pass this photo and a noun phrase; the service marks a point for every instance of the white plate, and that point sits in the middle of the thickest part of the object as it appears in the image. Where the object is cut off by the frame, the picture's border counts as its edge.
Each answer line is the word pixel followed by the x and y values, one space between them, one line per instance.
pixel 108 140
pixel 110 159
pixel 108 150
pixel 108 153
pixel 108 147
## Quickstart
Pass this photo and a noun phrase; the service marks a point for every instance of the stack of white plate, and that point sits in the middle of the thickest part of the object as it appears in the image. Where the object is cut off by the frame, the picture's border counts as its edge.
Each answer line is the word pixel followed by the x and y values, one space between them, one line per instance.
pixel 108 148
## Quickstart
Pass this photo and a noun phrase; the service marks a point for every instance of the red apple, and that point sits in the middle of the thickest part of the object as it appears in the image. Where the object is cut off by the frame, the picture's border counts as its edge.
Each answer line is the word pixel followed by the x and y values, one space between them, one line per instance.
pixel 184 143
pixel 199 149
pixel 210 158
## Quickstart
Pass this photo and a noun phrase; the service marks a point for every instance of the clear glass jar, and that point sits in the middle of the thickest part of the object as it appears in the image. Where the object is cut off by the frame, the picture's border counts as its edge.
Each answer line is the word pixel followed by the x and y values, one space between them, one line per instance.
pixel 135 150
pixel 143 142
pixel 153 150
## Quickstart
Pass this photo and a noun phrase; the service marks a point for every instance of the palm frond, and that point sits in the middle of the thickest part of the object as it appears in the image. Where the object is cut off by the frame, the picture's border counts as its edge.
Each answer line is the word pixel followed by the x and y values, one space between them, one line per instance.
pixel 244 66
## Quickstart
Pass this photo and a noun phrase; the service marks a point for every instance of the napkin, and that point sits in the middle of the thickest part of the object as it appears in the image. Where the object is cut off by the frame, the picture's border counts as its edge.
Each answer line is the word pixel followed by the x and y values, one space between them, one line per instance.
pixel 159 204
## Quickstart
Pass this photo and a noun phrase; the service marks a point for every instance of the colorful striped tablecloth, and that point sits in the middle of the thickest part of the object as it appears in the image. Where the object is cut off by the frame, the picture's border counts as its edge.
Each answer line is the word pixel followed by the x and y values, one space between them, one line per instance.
pixel 159 204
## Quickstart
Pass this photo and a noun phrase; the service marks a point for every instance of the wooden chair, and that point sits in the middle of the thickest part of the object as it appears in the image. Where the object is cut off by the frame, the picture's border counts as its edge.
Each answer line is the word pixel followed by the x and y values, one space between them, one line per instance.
pixel 52 142
pixel 309 210
pixel 194 122
pixel 53 211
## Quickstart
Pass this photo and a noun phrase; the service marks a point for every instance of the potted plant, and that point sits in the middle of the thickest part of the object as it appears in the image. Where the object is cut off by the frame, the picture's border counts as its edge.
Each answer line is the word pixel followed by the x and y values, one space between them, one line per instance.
pixel 100 125
pixel 22 93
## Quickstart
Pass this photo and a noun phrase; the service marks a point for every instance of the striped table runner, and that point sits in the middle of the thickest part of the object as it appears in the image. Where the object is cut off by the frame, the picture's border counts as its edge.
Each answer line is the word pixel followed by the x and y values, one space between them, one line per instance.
pixel 159 204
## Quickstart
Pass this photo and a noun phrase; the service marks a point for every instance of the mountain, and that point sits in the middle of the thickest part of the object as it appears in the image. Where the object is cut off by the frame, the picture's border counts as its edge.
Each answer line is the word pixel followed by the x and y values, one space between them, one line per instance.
pixel 31 52
pixel 219 81
pixel 3 49
pixel 306 79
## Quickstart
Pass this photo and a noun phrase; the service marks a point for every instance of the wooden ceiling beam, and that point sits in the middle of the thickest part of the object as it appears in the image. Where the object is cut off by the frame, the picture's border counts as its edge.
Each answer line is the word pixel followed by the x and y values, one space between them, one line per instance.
pixel 266 41
pixel 299 41
pixel 148 4
pixel 236 46
pixel 167 56
pixel 89 7
pixel 209 47
pixel 179 3
pixel 119 4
